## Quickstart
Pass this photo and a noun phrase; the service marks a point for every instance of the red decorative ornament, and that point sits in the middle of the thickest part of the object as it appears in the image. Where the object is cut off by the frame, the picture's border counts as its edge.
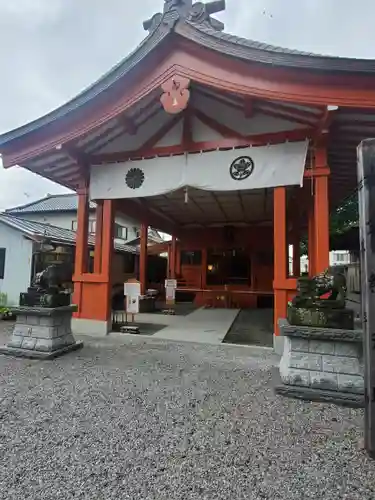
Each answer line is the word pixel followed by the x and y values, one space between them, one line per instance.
pixel 176 94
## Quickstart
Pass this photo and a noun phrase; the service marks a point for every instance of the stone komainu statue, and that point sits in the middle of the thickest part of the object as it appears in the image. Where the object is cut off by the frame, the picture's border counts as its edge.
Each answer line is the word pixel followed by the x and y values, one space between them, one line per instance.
pixel 47 288
pixel 309 308
pixel 310 290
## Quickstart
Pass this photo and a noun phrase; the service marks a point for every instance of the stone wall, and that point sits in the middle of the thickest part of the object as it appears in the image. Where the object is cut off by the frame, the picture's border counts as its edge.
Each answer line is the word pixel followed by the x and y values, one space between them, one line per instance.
pixel 322 359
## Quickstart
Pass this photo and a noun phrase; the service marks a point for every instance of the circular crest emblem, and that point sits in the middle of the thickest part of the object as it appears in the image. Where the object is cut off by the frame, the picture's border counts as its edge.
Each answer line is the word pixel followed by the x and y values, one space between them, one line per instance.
pixel 134 178
pixel 241 168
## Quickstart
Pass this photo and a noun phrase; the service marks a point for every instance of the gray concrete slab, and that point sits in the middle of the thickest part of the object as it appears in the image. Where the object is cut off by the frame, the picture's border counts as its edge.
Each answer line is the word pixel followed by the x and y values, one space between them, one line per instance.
pixel 204 326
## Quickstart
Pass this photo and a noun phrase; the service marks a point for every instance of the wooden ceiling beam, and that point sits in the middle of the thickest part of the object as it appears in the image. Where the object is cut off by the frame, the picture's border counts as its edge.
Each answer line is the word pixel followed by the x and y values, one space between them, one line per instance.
pixel 122 132
pixel 301 113
pixel 218 127
pixel 249 109
pixel 143 214
pixel 160 133
pixel 129 124
pixel 187 128
pixel 221 98
pixel 284 116
pixel 221 209
pixel 80 159
pixel 158 211
pixel 242 205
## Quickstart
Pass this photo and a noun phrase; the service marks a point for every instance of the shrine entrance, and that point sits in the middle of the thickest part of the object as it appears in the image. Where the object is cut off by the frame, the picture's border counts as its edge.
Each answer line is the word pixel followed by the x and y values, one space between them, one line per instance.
pixel 235 150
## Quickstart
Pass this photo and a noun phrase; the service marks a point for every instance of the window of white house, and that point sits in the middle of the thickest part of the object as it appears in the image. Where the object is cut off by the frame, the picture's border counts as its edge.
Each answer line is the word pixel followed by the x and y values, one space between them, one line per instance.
pixel 2 263
pixel 91 228
pixel 121 232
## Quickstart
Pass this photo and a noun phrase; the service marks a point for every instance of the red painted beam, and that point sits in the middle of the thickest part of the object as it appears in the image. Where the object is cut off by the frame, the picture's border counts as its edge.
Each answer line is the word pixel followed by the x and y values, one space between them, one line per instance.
pixel 225 143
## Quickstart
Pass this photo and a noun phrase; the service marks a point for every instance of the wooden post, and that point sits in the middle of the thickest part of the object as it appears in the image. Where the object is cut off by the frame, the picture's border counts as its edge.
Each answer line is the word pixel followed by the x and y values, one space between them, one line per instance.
pixel 81 258
pixel 98 238
pixel 169 272
pixel 107 237
pixel 311 247
pixel 366 192
pixel 107 252
pixel 143 258
pixel 173 255
pixel 280 255
pixel 136 267
pixel 321 213
pixel 204 269
pixel 296 254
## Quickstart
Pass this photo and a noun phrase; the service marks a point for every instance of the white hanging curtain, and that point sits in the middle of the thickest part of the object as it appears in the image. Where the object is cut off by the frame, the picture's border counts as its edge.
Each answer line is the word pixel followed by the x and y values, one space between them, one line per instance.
pixel 232 170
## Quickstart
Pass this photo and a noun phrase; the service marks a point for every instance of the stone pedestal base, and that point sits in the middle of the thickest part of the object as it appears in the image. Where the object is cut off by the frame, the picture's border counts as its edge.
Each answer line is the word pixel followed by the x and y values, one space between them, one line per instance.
pixel 322 364
pixel 42 333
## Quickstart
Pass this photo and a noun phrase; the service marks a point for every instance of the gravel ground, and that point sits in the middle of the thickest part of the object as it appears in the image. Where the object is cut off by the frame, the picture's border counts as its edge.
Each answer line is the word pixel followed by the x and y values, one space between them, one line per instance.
pixel 141 419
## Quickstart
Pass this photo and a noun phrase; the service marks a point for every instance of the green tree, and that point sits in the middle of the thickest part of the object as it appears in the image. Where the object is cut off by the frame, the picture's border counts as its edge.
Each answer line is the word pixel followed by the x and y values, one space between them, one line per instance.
pixel 345 216
pixel 342 218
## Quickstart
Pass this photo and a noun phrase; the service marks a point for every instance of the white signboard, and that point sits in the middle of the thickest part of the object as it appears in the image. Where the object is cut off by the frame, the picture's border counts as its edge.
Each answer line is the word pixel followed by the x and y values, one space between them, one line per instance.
pixel 132 304
pixel 132 291
pixel 170 290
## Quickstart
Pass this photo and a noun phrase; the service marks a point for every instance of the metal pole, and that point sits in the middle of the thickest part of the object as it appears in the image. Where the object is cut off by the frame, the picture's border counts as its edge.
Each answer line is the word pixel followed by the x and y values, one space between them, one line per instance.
pixel 366 202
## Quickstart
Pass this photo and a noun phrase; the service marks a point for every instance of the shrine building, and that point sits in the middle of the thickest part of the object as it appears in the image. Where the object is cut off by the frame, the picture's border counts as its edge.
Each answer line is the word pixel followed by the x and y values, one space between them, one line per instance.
pixel 235 148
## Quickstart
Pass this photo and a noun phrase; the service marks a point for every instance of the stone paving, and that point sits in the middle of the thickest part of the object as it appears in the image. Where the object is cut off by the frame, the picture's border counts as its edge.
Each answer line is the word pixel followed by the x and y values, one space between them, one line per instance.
pixel 146 419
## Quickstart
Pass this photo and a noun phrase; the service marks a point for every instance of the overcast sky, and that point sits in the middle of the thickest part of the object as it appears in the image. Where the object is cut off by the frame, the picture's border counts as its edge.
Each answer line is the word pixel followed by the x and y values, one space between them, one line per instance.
pixel 51 49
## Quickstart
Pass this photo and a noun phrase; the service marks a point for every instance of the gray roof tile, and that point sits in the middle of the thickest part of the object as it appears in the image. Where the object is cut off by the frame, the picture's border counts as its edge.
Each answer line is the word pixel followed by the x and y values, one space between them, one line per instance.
pixel 51 203
pixel 54 233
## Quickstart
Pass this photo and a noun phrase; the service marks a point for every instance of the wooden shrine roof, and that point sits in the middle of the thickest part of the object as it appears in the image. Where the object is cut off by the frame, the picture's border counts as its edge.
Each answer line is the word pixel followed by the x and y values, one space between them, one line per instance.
pixel 191 22
pixel 122 104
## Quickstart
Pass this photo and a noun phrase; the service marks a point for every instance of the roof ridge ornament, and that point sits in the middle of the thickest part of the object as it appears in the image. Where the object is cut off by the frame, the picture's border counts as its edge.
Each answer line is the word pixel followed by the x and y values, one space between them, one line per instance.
pixel 176 10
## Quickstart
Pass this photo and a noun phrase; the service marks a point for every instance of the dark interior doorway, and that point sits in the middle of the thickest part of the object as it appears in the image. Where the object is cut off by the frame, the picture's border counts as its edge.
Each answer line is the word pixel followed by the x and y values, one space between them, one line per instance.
pixel 228 267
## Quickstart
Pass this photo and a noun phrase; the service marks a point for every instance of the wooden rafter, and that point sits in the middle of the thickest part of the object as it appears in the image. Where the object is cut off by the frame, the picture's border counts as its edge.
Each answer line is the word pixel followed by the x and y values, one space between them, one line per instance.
pixel 324 124
pixel 158 211
pixel 267 110
pixel 143 214
pixel 128 124
pixel 249 108
pixel 187 129
pixel 219 205
pixel 298 112
pixel 159 134
pixel 221 129
pixel 242 205
pixel 123 131
pixel 221 98
pixel 196 204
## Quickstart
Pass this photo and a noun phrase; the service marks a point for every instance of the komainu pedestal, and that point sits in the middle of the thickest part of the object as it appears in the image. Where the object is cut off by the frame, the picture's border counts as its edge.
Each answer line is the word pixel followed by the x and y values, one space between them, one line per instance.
pixel 323 354
pixel 44 318
pixel 322 364
pixel 42 332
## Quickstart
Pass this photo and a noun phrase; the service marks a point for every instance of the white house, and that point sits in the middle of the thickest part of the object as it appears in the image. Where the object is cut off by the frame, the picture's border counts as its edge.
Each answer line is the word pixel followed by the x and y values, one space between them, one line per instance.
pixel 336 258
